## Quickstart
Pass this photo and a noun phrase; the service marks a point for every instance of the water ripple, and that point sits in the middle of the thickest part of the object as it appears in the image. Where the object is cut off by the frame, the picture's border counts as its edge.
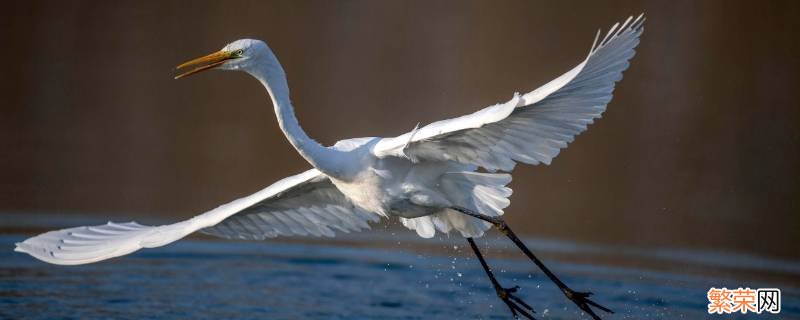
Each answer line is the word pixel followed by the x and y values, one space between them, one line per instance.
pixel 276 280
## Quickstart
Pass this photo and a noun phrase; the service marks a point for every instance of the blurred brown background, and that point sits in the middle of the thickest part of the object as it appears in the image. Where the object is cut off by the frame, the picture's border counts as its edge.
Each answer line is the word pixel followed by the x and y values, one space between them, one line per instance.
pixel 698 148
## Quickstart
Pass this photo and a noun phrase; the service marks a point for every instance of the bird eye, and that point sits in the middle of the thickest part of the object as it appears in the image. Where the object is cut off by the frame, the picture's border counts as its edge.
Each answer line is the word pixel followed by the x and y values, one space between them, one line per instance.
pixel 239 52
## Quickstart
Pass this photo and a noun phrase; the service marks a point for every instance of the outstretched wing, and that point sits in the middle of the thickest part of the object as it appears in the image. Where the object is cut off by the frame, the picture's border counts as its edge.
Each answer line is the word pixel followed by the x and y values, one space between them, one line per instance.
pixel 303 204
pixel 531 128
pixel 315 207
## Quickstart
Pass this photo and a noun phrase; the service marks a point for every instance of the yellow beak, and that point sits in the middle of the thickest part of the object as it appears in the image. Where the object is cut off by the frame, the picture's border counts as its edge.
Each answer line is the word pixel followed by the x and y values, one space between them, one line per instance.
pixel 204 63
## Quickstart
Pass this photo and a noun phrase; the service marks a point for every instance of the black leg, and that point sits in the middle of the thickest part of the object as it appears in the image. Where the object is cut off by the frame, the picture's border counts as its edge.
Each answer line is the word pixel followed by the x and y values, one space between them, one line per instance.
pixel 581 299
pixel 506 294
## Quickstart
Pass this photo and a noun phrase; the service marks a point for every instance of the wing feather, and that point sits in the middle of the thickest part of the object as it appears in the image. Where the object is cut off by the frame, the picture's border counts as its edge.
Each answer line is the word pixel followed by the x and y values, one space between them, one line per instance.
pixel 531 128
pixel 307 203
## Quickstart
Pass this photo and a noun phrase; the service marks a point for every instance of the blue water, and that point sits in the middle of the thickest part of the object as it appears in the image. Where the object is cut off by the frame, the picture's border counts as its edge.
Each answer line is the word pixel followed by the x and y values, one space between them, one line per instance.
pixel 218 279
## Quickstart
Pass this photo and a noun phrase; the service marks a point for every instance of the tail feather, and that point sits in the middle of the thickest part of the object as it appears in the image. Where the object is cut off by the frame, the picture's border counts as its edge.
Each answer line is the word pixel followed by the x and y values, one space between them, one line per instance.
pixel 482 192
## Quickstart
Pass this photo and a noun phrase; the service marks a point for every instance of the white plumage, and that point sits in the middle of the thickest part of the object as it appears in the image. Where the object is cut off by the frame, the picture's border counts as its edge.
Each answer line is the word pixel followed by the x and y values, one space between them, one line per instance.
pixel 418 176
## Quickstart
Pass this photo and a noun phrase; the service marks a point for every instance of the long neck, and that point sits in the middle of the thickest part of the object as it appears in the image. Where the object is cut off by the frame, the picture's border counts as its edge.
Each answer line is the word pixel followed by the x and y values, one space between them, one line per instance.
pixel 330 161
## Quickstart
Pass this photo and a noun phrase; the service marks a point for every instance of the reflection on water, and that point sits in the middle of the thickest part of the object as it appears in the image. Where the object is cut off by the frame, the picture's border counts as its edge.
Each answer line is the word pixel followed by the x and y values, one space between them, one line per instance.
pixel 278 280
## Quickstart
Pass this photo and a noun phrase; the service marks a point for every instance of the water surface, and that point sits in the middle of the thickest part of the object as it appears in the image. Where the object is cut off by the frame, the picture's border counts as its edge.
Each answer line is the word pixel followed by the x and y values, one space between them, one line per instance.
pixel 352 278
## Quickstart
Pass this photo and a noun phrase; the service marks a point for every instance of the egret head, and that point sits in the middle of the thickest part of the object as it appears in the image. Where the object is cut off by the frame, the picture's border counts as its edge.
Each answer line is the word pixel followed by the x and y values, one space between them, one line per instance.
pixel 238 55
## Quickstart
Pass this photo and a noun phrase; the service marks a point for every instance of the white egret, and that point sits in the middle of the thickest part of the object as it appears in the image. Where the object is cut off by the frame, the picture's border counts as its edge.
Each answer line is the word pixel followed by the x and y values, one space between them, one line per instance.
pixel 429 178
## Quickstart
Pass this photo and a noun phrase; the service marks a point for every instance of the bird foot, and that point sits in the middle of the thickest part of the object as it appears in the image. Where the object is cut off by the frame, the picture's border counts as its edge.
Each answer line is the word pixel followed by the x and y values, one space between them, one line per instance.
pixel 581 299
pixel 517 306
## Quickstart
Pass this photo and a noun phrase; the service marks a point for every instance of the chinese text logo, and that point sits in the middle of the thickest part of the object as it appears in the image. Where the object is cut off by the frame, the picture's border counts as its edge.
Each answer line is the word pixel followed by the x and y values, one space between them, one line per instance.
pixel 744 300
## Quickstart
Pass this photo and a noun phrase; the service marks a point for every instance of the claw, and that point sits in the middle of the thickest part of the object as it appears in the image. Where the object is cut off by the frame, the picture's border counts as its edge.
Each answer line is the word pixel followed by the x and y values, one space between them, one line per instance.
pixel 514 303
pixel 581 299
